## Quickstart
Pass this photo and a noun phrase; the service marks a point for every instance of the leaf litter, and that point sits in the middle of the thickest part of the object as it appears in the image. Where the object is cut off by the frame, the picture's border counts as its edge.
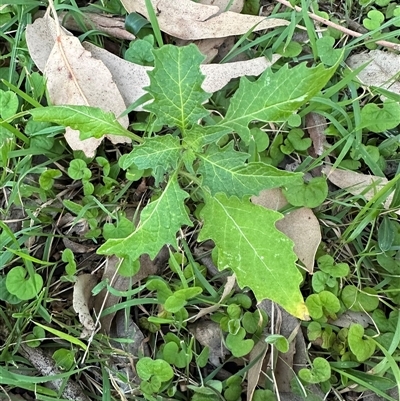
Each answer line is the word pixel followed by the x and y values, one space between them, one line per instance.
pixel 70 67
pixel 188 20
pixel 67 65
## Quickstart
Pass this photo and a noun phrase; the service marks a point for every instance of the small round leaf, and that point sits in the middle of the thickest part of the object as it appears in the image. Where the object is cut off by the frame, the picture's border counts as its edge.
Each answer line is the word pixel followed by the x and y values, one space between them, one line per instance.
pixel 20 284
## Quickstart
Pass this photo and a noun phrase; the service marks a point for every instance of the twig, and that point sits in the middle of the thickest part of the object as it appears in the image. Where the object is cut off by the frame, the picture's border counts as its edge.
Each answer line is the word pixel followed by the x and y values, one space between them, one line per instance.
pixel 390 45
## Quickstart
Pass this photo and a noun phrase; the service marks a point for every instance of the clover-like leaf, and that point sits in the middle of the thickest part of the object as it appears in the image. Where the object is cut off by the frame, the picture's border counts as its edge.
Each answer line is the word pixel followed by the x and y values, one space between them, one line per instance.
pixel 78 170
pixel 225 170
pixel 374 20
pixel 175 84
pixel 326 52
pixel 46 179
pixel 178 299
pixel 314 331
pixel 327 264
pixel 8 104
pixel 321 280
pixel 378 119
pixel 295 141
pixel 237 344
pixel 362 348
pixel 248 242
pixel 159 222
pixel 175 356
pixel 22 285
pixel 281 343
pixel 324 304
pixel 359 300
pixel 64 358
pixel 309 194
pixel 35 338
pixel 320 372
pixel 147 367
pixel 273 97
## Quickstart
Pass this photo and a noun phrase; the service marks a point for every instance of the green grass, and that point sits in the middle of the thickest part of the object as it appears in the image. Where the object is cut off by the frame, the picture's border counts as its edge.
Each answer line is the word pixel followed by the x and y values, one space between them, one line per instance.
pixel 53 198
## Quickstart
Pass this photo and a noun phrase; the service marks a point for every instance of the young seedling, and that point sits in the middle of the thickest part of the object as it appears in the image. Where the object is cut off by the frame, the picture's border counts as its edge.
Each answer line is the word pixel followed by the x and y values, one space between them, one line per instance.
pixel 224 176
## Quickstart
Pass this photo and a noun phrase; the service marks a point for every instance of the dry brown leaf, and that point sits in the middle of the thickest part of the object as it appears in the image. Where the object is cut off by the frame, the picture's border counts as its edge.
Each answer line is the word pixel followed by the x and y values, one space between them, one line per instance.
pixel 211 47
pixel 132 78
pixel 351 317
pixel 235 6
pixel 218 75
pixel 316 125
pixel 76 247
pixel 207 47
pixel 109 24
pixel 81 301
pixel 121 362
pixel 209 334
pixel 188 20
pixel 40 38
pixel 70 80
pixel 382 70
pixel 358 184
pixel 301 226
pixel 129 77
pixel 259 351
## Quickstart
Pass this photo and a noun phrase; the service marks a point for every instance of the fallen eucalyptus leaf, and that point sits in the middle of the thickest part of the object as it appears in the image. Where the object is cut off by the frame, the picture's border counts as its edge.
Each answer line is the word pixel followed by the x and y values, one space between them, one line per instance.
pixel 257 353
pixel 131 78
pixel 70 79
pixel 209 334
pixel 358 184
pixel 188 20
pixel 381 71
pixel 301 225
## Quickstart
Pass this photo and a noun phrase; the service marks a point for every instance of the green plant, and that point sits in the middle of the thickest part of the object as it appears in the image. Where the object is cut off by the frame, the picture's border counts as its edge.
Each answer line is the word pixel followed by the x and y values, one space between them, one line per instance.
pixel 154 373
pixel 319 372
pixel 227 180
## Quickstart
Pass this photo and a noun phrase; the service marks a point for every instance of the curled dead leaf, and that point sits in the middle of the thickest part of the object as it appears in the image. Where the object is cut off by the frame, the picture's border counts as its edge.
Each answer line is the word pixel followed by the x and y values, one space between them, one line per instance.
pixel 256 361
pixel 81 301
pixel 109 24
pixel 316 125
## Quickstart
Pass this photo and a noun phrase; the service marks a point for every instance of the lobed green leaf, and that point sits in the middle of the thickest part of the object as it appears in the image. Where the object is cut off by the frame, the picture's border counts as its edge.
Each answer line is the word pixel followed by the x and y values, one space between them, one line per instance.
pixel 274 97
pixel 224 170
pixel 159 222
pixel 90 121
pixel 260 255
pixel 175 84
